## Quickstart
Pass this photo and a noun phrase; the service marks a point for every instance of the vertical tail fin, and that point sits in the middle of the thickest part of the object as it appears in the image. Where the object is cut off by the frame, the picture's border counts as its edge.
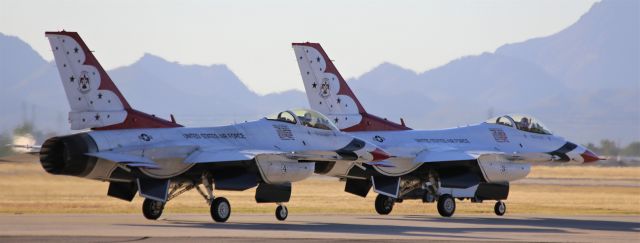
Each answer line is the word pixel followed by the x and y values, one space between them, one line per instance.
pixel 329 94
pixel 94 99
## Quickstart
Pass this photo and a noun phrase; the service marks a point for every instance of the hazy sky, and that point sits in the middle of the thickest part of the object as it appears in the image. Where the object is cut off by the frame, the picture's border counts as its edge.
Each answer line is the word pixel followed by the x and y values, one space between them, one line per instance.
pixel 253 37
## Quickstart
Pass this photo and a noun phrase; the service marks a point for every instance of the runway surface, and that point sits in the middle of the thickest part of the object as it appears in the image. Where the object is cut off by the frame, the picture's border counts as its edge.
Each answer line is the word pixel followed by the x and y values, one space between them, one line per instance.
pixel 317 228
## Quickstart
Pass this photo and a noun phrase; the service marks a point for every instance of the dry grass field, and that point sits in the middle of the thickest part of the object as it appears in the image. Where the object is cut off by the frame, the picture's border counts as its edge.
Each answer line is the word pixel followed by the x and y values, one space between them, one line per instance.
pixel 26 188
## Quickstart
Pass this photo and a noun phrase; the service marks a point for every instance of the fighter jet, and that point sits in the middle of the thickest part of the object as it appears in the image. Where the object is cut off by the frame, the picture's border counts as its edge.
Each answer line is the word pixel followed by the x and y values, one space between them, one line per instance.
pixel 161 159
pixel 475 162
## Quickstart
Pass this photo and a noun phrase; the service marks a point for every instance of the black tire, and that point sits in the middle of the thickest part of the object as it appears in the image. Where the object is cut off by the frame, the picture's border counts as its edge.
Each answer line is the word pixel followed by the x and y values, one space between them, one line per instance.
pixel 500 208
pixel 384 204
pixel 220 209
pixel 282 212
pixel 152 209
pixel 446 205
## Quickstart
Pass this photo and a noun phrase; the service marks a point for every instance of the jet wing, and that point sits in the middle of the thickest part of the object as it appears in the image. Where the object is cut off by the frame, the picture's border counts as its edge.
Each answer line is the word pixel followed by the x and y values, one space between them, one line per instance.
pixel 223 155
pixel 139 156
pixel 211 156
pixel 429 156
pixel 142 156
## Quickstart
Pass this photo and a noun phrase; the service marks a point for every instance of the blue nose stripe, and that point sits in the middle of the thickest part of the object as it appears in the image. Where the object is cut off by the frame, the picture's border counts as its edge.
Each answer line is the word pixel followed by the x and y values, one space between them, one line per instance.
pixel 562 151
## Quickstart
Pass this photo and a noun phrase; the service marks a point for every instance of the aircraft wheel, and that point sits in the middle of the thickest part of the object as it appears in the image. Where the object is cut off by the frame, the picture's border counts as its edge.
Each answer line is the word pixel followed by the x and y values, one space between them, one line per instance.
pixel 282 212
pixel 220 209
pixel 152 209
pixel 384 204
pixel 446 205
pixel 500 208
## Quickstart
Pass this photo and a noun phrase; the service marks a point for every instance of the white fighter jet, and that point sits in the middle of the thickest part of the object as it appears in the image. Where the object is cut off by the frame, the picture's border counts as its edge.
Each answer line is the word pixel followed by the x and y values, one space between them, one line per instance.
pixel 475 162
pixel 160 159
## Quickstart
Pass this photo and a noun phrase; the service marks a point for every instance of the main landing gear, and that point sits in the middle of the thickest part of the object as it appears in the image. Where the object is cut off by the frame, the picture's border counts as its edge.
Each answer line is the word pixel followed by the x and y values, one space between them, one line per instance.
pixel 220 208
pixel 384 204
pixel 152 209
pixel 446 205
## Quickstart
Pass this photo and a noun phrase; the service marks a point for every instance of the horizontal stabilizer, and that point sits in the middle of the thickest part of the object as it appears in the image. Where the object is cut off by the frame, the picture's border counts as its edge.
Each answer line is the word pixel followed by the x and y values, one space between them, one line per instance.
pixel 129 160
pixel 25 148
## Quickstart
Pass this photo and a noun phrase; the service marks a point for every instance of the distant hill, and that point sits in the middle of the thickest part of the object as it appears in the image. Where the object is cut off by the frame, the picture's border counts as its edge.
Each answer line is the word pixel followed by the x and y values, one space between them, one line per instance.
pixel 583 82
pixel 197 95
pixel 600 51
pixel 29 88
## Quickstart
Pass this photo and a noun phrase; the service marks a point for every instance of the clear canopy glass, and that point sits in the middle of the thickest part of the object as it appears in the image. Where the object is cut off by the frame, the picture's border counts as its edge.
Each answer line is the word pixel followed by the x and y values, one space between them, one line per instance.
pixel 305 117
pixel 522 123
pixel 285 116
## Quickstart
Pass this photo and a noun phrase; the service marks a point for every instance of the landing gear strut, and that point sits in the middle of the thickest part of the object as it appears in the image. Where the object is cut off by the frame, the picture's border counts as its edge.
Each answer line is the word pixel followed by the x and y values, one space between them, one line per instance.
pixel 384 204
pixel 500 208
pixel 282 212
pixel 446 205
pixel 220 208
pixel 152 209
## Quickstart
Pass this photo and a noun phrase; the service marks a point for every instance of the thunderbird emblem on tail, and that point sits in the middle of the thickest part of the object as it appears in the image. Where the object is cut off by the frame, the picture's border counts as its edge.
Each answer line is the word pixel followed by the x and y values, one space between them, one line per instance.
pixel 84 86
pixel 325 88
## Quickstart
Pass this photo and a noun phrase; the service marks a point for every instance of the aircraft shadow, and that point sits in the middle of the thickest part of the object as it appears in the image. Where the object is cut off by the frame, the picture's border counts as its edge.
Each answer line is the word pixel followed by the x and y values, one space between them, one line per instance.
pixel 542 222
pixel 385 227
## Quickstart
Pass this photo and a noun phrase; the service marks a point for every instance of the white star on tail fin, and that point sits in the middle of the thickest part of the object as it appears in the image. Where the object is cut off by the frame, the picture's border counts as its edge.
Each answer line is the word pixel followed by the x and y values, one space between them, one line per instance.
pixel 94 99
pixel 329 94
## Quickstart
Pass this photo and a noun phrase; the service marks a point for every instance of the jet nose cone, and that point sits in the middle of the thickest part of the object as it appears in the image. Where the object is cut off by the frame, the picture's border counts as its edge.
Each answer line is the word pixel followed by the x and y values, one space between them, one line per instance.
pixel 589 156
pixel 379 155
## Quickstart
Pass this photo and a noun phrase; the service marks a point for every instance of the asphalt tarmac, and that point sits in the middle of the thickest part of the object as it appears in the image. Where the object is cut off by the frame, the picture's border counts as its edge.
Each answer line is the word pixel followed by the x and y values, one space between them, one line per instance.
pixel 315 228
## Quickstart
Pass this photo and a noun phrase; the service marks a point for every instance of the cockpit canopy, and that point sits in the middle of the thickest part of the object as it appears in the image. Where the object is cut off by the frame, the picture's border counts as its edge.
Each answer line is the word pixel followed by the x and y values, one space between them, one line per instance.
pixel 521 122
pixel 305 117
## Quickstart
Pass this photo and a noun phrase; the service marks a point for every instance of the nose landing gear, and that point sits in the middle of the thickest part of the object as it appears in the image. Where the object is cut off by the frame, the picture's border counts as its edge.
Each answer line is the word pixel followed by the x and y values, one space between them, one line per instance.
pixel 500 208
pixel 282 212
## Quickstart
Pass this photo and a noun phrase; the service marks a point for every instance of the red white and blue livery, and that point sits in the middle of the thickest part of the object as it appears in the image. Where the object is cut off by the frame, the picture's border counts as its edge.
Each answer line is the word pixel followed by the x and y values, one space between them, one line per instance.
pixel 160 159
pixel 474 162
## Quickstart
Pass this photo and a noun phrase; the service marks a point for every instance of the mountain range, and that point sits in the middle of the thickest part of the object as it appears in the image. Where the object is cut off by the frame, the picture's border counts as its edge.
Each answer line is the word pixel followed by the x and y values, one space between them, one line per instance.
pixel 583 82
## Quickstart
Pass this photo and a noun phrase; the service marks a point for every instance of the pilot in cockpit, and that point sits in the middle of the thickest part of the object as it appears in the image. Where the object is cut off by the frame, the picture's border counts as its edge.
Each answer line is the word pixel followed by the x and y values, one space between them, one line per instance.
pixel 306 120
pixel 524 124
pixel 323 124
